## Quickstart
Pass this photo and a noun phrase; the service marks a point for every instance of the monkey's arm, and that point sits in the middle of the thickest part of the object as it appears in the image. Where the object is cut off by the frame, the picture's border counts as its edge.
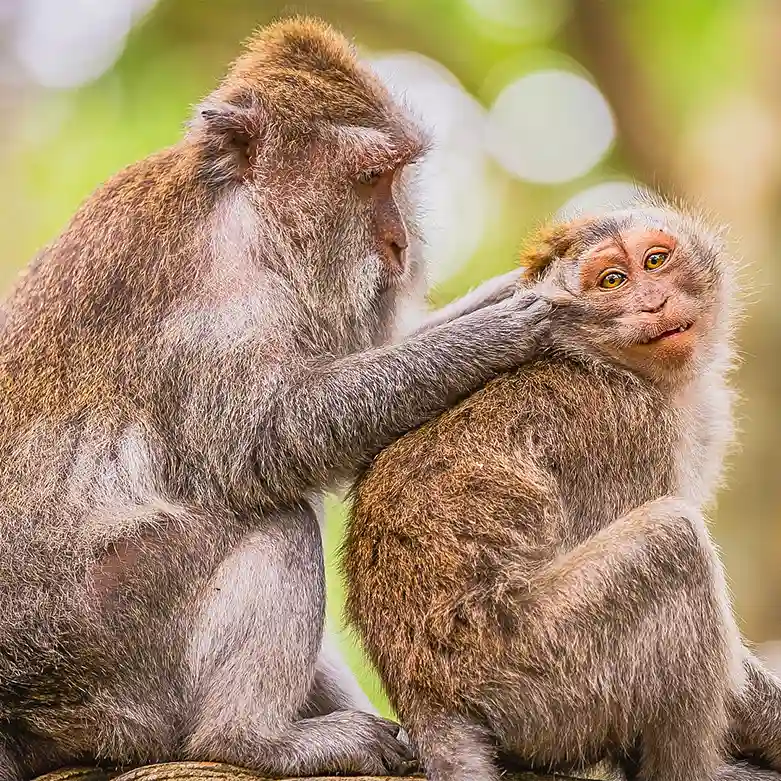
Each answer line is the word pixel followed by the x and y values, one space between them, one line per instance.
pixel 324 421
pixel 492 291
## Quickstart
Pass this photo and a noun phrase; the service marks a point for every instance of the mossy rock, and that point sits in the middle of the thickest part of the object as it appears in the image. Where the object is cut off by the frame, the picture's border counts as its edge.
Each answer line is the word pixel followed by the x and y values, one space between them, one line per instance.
pixel 214 771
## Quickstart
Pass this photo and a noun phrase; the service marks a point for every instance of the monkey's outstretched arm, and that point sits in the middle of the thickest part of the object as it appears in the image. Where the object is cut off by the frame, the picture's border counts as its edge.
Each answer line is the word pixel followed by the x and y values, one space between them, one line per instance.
pixel 325 421
pixel 492 291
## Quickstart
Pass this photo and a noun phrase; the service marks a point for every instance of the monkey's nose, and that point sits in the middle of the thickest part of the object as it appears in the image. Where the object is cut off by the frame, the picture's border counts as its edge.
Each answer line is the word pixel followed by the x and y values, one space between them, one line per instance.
pixel 654 305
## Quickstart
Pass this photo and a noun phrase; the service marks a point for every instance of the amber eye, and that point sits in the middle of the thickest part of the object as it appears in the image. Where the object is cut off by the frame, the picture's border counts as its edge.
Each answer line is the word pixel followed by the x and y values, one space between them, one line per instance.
pixel 369 178
pixel 656 259
pixel 611 280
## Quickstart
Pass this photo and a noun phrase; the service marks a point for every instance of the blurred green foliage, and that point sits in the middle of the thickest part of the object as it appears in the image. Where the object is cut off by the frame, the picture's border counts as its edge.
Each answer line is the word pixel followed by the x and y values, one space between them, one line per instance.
pixel 693 88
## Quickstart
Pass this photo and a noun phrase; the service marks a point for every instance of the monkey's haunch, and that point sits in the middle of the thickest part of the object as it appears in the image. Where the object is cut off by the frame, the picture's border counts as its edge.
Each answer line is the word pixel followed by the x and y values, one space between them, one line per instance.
pixel 214 771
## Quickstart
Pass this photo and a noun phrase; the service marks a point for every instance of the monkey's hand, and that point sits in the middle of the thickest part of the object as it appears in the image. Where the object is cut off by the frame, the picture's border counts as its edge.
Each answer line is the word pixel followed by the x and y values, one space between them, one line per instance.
pixel 569 316
pixel 525 314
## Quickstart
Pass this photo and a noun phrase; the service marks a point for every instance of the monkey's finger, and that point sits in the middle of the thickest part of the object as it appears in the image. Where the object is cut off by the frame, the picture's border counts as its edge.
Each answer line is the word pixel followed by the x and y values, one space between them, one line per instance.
pixel 397 760
pixel 398 750
pixel 395 750
pixel 535 310
pixel 508 283
pixel 403 736
pixel 410 768
pixel 407 751
pixel 393 727
pixel 526 298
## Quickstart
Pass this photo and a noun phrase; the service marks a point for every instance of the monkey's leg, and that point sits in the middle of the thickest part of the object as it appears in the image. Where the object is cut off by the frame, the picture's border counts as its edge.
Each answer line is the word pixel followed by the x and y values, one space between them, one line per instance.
pixel 453 749
pixel 755 715
pixel 253 658
pixel 628 638
pixel 334 686
pixel 635 638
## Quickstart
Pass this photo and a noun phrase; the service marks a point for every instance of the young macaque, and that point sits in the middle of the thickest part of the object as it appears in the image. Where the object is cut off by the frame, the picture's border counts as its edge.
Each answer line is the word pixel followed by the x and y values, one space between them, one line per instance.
pixel 207 349
pixel 531 572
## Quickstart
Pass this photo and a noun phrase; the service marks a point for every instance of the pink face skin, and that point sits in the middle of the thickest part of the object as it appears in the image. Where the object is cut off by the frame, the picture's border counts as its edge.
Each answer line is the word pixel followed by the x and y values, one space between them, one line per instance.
pixel 655 295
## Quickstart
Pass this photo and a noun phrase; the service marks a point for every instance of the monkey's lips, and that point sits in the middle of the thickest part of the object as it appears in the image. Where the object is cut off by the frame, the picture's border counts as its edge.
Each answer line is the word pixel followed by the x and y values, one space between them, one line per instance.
pixel 670 333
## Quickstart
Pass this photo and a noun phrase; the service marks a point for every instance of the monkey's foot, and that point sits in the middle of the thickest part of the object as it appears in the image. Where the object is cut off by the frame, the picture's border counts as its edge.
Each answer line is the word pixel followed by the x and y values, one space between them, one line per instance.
pixel 213 771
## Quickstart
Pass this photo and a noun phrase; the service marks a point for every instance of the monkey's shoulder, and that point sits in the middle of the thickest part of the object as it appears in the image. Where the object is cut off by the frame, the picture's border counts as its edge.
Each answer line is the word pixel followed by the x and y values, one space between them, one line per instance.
pixel 560 393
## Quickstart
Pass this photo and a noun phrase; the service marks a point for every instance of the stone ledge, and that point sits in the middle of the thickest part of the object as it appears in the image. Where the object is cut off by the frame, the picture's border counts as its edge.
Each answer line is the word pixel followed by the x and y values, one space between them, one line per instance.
pixel 213 771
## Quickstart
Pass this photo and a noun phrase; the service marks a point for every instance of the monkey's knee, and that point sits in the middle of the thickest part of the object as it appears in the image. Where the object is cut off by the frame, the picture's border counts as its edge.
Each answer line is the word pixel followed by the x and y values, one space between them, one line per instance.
pixel 704 593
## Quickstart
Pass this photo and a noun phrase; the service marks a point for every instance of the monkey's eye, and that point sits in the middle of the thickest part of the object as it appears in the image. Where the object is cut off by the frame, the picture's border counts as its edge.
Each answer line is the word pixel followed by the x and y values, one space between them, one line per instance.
pixel 369 178
pixel 611 280
pixel 656 259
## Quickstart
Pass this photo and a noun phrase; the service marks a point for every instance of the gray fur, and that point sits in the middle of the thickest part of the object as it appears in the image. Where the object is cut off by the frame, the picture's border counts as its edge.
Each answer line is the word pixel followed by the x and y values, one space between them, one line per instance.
pixel 202 354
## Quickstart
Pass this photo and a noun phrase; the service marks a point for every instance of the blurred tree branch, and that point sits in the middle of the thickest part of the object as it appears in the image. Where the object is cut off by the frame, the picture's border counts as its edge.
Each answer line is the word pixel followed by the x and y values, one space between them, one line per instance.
pixel 594 34
pixel 728 159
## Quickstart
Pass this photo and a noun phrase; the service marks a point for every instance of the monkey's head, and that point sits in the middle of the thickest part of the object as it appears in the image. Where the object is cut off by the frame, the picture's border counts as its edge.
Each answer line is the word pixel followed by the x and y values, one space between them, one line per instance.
pixel 303 137
pixel 649 287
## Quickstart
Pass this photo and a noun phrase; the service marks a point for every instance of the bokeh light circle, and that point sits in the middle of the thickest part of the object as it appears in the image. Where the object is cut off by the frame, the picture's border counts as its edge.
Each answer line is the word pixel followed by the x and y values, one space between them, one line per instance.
pixel 550 127
pixel 67 43
pixel 458 197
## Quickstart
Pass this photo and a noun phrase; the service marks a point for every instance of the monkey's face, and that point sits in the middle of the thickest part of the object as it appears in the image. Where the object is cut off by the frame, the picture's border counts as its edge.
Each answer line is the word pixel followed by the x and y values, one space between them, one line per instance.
pixel 647 292
pixel 356 224
pixel 320 150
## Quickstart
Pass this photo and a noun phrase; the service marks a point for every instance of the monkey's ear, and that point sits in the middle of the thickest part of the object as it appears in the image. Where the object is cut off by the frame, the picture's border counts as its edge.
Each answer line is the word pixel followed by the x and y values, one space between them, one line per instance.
pixel 546 245
pixel 230 135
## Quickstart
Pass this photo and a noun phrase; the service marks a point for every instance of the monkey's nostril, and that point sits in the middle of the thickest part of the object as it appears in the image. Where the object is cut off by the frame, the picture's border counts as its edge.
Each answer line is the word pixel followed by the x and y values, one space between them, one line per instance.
pixel 399 254
pixel 655 306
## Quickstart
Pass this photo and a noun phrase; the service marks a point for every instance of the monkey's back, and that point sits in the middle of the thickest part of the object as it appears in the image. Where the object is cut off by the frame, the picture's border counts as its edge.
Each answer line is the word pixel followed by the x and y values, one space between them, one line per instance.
pixel 452 520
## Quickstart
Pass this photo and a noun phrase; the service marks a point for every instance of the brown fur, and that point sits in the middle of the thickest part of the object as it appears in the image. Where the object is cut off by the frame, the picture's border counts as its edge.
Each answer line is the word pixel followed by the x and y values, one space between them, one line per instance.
pixel 531 573
pixel 549 243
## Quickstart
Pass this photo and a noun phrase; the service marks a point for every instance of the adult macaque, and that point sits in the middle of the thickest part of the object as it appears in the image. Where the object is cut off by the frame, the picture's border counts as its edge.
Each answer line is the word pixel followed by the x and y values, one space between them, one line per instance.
pixel 201 354
pixel 531 572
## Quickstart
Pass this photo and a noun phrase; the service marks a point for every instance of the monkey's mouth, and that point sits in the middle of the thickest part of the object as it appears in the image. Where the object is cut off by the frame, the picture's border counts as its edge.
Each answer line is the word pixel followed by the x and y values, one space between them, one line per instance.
pixel 671 333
